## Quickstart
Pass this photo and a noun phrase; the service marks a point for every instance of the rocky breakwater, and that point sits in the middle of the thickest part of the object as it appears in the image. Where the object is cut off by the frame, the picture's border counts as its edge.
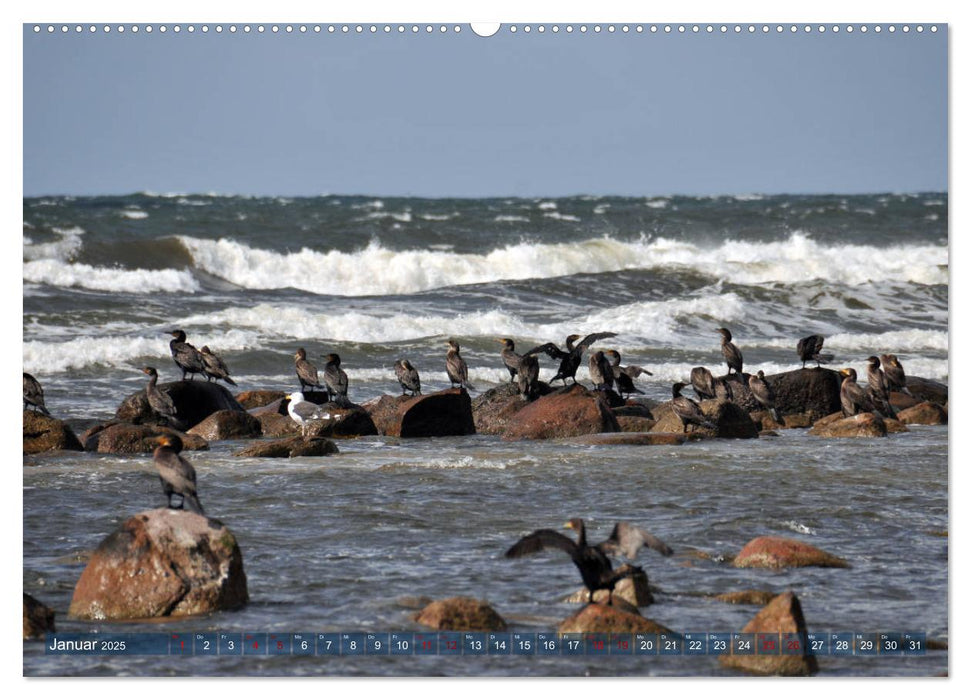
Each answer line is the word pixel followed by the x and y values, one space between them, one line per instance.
pixel 566 412
pixel 128 438
pixel 336 420
pixel 46 434
pixel 447 412
pixel 162 563
pixel 194 402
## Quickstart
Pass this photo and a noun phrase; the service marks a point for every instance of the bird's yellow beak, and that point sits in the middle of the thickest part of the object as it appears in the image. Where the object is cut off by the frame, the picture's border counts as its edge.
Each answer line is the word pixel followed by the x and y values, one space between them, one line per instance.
pixel 845 372
pixel 568 525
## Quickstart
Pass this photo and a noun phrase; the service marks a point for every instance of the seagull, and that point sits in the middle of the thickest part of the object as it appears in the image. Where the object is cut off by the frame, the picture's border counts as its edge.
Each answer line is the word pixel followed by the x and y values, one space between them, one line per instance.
pixel 302 412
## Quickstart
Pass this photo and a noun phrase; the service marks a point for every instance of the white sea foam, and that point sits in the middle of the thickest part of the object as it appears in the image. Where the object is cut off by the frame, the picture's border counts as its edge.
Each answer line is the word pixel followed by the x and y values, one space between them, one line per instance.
pixel 656 203
pixel 134 214
pixel 510 217
pixel 546 205
pixel 64 247
pixel 561 217
pixel 105 279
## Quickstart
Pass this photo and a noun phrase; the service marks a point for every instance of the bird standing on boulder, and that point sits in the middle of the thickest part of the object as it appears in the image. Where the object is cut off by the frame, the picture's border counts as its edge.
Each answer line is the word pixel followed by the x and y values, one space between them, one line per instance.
pixel 303 412
pixel 306 372
pixel 877 384
pixel 158 400
pixel 601 374
pixel 335 378
pixel 809 349
pixel 894 372
pixel 186 357
pixel 733 356
pixel 571 357
pixel 687 410
pixel 34 394
pixel 624 376
pixel 176 473
pixel 763 394
pixel 214 367
pixel 852 397
pixel 528 376
pixel 407 377
pixel 510 358
pixel 455 367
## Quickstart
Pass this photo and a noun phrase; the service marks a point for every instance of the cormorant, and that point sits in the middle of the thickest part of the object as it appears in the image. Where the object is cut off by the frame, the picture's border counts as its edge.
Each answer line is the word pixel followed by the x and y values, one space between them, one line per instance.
pixel 186 357
pixel 733 356
pixel 306 372
pixel 877 383
pixel 176 473
pixel 894 372
pixel 302 411
pixel 34 394
pixel 569 358
pixel 158 400
pixel 687 410
pixel 624 376
pixel 809 350
pixel 510 358
pixel 214 367
pixel 703 382
pixel 852 396
pixel 407 377
pixel 763 394
pixel 592 561
pixel 455 367
pixel 601 374
pixel 528 375
pixel 335 378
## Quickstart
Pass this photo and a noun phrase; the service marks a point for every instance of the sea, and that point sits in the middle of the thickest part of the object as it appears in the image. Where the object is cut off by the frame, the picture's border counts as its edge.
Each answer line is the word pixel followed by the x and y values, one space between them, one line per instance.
pixel 361 540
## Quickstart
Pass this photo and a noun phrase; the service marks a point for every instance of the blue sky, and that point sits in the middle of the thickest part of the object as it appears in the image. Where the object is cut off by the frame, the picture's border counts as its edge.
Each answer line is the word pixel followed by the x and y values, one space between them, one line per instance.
pixel 460 115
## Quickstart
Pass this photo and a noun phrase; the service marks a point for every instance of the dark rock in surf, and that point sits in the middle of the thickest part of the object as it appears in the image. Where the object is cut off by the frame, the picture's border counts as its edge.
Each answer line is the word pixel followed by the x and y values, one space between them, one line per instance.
pixel 447 412
pixel 297 446
pixel 38 618
pixel 927 390
pixel 633 589
pixel 45 434
pixel 731 421
pixel 127 438
pixel 194 402
pixel 814 391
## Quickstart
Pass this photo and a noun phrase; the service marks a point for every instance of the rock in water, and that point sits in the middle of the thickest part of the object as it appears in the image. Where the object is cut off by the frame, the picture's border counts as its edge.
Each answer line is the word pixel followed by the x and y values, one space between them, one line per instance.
pixel 228 425
pixel 443 413
pixel 730 419
pixel 161 563
pixel 297 446
pixel 493 410
pixel 43 434
pixel 597 617
pixel 38 618
pixel 860 425
pixel 632 589
pixel 258 398
pixel 779 552
pixel 461 614
pixel 194 402
pixel 126 438
pixel 783 614
pixel 925 413
pixel 563 413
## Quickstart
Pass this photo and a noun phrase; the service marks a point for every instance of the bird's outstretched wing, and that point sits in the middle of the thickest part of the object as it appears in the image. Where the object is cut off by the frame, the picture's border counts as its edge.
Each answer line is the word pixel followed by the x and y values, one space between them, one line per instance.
pixel 591 339
pixel 550 349
pixel 627 539
pixel 635 371
pixel 542 539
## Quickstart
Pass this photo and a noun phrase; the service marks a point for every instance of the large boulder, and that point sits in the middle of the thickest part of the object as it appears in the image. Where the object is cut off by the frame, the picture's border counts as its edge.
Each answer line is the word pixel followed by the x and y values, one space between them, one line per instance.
pixel 815 390
pixel 336 421
pixel 493 410
pixel 126 438
pixel 258 398
pixel 925 413
pixel 461 614
pixel 38 618
pixel 597 617
pixel 927 390
pixel 782 615
pixel 162 563
pixel 563 413
pixel 228 425
pixel 44 434
pixel 447 412
pixel 860 425
pixel 290 447
pixel 769 552
pixel 730 419
pixel 194 402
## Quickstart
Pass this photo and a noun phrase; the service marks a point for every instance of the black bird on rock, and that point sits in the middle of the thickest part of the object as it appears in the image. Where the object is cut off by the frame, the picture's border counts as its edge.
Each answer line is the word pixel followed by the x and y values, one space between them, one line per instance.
pixel 158 400
pixel 335 378
pixel 809 350
pixel 763 393
pixel 177 475
pixel 510 358
pixel 455 367
pixel 407 377
pixel 625 376
pixel 733 356
pixel 571 357
pixel 34 394
pixel 592 561
pixel 894 372
pixel 853 398
pixel 528 376
pixel 879 386
pixel 306 372
pixel 186 357
pixel 601 373
pixel 687 410
pixel 214 367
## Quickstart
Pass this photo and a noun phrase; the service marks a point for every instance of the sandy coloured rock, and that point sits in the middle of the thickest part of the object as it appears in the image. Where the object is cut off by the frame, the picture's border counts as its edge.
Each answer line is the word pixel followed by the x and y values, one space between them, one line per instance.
pixel 45 434
pixel 769 552
pixel 461 614
pixel 783 614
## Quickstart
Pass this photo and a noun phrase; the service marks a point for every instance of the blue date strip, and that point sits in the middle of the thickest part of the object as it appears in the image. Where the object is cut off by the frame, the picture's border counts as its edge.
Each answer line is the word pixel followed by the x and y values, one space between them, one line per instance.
pixel 915 643
pixel 450 643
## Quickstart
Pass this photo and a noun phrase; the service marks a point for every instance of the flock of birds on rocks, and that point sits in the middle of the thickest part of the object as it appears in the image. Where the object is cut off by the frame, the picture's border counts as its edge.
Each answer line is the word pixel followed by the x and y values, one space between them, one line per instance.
pixel 178 477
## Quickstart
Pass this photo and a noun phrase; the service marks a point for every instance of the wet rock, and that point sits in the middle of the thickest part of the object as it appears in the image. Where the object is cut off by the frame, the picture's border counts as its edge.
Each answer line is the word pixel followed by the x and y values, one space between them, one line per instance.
pixel 635 424
pixel 731 421
pixel 38 618
pixel 895 426
pixel 925 413
pixel 563 413
pixel 276 425
pixel 447 412
pixel 597 617
pixel 632 590
pixel 258 398
pixel 461 614
pixel 162 563
pixel 290 447
pixel 927 390
pixel 228 425
pixel 814 391
pixel 750 597
pixel 901 401
pixel 336 421
pixel 635 409
pixel 493 410
pixel 860 425
pixel 194 402
pixel 45 434
pixel 126 438
pixel 783 614
pixel 769 552
pixel 627 439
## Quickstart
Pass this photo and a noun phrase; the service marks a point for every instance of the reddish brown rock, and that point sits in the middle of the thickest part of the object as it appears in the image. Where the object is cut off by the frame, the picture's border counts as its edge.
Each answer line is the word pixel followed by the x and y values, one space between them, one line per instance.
pixel 635 424
pixel 749 597
pixel 563 413
pixel 162 563
pixel 633 590
pixel 627 439
pixel 38 618
pixel 461 614
pixel 228 425
pixel 443 413
pixel 783 614
pixel 45 434
pixel 277 425
pixel 597 617
pixel 770 552
pixel 860 425
pixel 493 410
pixel 927 390
pixel 925 413
pixel 126 438
pixel 258 398
pixel 290 447
pixel 731 421
pixel 336 421
pixel 194 401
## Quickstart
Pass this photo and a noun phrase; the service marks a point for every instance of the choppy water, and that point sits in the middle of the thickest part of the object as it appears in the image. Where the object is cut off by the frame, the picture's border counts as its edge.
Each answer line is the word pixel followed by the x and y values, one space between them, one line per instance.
pixel 347 543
